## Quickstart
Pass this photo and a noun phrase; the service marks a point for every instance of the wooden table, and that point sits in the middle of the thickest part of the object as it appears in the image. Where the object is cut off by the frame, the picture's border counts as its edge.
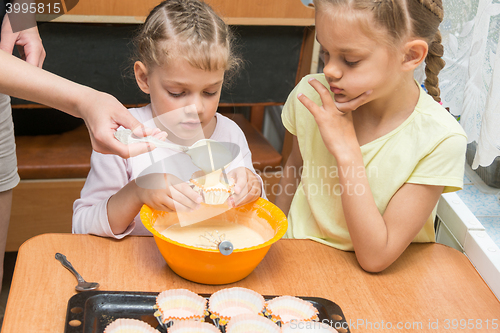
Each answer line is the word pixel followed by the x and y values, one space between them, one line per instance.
pixel 428 285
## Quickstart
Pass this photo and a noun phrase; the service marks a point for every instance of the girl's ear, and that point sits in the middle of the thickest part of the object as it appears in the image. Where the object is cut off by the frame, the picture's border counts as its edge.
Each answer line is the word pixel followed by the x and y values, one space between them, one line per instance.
pixel 415 52
pixel 141 76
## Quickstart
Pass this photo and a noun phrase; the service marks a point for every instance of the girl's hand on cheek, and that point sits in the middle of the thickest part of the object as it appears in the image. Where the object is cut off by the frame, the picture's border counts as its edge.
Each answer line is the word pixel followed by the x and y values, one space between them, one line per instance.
pixel 167 193
pixel 247 187
pixel 354 103
pixel 335 126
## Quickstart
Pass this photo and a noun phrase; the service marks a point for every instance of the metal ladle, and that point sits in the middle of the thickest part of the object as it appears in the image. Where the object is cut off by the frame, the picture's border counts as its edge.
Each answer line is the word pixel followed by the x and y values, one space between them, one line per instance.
pixel 82 284
pixel 207 154
pixel 126 136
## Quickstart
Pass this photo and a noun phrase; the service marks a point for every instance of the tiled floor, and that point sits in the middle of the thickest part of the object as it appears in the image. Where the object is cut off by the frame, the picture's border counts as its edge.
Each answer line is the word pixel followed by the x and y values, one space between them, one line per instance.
pixel 484 202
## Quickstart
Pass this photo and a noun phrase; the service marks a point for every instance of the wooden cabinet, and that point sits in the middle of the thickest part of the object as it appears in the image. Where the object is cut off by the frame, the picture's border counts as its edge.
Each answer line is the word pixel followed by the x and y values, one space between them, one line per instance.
pixel 238 12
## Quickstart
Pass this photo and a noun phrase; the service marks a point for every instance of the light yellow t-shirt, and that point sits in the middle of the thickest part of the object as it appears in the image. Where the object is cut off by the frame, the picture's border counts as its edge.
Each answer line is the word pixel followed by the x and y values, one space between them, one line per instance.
pixel 427 148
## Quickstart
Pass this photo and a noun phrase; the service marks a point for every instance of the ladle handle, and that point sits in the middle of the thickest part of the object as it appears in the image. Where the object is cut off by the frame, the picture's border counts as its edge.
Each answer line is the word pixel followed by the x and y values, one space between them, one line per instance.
pixel 125 137
pixel 62 259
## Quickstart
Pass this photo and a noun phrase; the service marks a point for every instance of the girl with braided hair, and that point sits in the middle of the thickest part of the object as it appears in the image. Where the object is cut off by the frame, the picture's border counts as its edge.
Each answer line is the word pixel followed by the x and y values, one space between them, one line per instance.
pixel 184 55
pixel 374 149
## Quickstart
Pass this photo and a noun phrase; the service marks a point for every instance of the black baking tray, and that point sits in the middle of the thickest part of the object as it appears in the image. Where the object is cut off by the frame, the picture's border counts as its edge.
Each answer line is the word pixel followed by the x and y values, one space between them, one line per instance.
pixel 92 311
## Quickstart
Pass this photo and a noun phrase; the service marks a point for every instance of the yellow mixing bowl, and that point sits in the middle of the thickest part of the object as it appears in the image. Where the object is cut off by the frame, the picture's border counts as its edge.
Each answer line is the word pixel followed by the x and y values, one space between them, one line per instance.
pixel 209 266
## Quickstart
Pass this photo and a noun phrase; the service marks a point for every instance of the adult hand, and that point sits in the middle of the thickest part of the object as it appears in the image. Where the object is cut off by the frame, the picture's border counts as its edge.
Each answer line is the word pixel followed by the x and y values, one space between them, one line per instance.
pixel 103 115
pixel 28 42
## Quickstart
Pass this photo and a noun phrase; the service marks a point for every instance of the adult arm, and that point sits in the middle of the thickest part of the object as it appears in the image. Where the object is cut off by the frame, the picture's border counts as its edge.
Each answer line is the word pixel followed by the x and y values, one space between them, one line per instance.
pixel 103 113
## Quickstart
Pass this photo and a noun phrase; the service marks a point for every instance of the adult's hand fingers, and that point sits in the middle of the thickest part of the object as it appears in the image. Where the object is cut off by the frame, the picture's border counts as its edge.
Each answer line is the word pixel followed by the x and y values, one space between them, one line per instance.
pixel 8 38
pixel 128 121
pixel 31 45
pixel 103 115
pixel 135 149
pixel 28 42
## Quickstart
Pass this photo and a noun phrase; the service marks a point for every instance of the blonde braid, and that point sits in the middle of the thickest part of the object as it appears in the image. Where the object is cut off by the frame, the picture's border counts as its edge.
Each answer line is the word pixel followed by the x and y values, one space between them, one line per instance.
pixel 434 63
pixel 426 16
pixel 435 7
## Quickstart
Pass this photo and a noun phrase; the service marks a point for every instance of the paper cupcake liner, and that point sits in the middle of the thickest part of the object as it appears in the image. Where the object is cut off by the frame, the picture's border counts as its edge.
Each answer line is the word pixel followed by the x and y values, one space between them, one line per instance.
pixel 288 308
pixel 250 323
pixel 128 325
pixel 180 304
pixel 307 326
pixel 192 327
pixel 214 195
pixel 227 303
